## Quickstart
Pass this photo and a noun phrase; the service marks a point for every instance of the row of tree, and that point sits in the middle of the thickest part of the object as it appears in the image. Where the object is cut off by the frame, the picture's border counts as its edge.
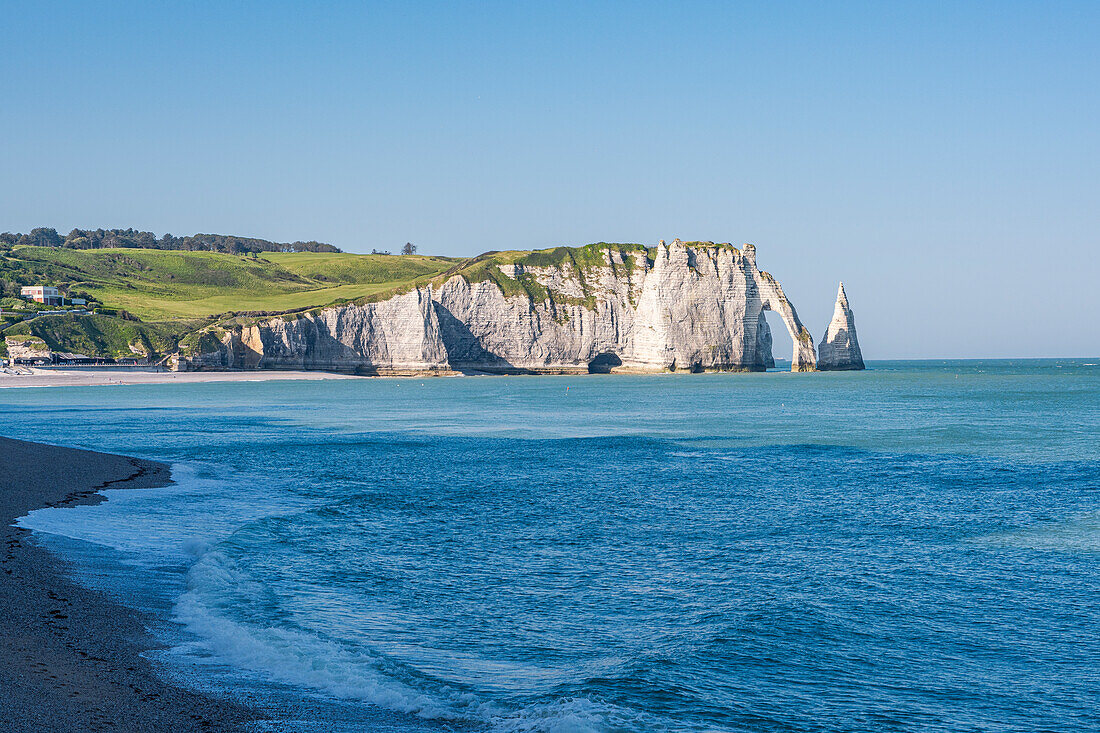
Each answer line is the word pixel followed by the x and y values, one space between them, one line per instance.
pixel 408 249
pixel 132 238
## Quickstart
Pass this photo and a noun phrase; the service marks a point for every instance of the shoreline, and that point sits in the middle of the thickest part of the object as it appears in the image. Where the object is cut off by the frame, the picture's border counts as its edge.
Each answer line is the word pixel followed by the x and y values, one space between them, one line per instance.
pixel 115 377
pixel 92 377
pixel 73 657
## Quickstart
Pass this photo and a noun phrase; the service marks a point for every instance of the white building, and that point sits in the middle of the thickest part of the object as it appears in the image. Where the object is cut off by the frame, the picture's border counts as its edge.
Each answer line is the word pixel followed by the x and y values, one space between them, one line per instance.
pixel 41 294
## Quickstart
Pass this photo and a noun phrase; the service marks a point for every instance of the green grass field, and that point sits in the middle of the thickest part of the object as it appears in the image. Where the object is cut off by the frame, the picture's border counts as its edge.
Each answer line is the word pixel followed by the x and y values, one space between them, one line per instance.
pixel 159 285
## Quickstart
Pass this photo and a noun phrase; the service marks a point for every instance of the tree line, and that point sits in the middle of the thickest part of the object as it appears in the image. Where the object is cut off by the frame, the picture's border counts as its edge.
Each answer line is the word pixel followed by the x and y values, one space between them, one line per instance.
pixel 132 238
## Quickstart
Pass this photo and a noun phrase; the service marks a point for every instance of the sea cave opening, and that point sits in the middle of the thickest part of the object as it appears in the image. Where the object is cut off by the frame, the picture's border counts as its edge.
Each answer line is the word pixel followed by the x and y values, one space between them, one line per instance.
pixel 604 363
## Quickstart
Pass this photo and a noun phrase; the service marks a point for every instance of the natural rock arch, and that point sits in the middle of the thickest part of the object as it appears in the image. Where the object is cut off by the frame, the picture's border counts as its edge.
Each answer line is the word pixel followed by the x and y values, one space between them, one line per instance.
pixel 772 298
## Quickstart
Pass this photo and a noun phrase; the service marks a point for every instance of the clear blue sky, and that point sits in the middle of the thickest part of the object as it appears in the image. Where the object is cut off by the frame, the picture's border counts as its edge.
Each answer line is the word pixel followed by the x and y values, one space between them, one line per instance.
pixel 943 159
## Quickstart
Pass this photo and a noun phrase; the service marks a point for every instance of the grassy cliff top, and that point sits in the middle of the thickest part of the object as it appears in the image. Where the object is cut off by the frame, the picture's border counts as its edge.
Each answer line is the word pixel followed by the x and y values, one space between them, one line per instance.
pixel 590 255
pixel 151 298
pixel 166 285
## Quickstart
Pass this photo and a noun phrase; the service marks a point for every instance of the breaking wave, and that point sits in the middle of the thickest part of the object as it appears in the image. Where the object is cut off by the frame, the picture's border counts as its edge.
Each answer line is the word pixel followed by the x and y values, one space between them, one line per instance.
pixel 303 658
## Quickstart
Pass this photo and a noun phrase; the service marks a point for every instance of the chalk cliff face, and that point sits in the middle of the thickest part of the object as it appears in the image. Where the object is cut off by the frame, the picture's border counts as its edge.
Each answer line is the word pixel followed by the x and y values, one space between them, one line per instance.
pixel 839 348
pixel 31 348
pixel 681 307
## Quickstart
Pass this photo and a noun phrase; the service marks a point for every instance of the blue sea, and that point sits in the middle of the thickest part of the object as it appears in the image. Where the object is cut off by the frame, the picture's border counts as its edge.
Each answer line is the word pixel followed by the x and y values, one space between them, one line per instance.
pixel 911 548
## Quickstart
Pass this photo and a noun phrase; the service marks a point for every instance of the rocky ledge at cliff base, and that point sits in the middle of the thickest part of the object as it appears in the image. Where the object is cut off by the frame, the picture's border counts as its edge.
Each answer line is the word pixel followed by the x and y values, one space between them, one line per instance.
pixel 603 308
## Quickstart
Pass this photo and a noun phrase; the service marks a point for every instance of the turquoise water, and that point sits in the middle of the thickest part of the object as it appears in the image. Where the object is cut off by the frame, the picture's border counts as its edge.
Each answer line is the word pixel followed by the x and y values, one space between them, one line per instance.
pixel 911 548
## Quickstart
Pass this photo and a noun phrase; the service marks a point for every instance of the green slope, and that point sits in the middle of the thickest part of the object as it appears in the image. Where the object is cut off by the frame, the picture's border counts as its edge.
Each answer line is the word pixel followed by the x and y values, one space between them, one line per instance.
pixel 167 285
pixel 99 335
pixel 171 293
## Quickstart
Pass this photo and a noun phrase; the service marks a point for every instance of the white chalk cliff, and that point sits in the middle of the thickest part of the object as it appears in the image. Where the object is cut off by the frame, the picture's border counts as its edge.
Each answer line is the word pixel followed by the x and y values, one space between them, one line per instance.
pixel 839 348
pixel 678 307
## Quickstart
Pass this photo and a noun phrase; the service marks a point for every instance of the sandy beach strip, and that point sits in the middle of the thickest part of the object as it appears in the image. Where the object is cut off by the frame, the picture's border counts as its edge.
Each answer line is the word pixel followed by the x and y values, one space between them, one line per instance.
pixel 70 658
pixel 91 377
